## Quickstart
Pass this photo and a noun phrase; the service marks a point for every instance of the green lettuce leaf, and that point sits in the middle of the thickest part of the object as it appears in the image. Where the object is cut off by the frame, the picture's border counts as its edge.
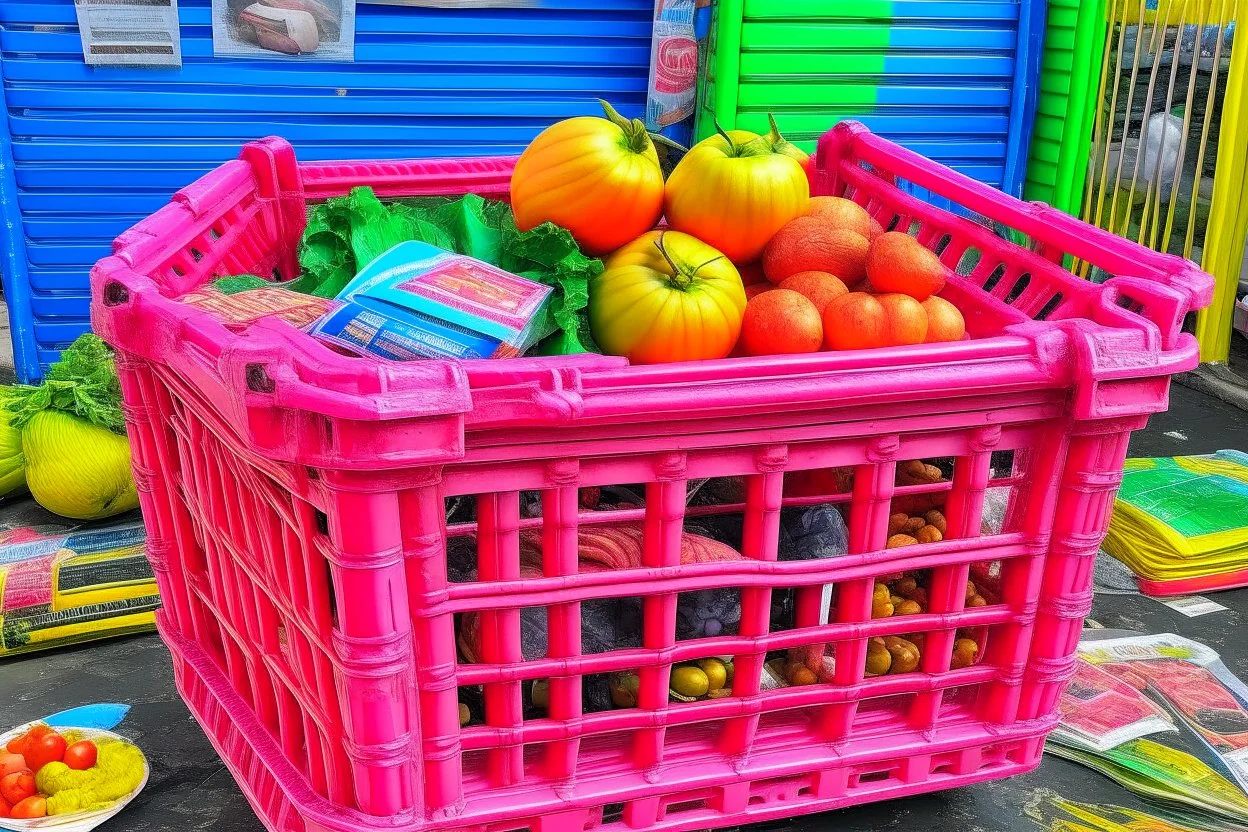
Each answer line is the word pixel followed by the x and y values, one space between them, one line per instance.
pixel 345 233
pixel 84 382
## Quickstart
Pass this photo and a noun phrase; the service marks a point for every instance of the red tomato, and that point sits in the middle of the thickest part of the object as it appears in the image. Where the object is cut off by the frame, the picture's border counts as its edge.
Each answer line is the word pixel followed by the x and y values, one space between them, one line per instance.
pixel 20 744
pixel 50 748
pixel 81 755
pixel 10 763
pixel 31 807
pixel 17 787
pixel 5 809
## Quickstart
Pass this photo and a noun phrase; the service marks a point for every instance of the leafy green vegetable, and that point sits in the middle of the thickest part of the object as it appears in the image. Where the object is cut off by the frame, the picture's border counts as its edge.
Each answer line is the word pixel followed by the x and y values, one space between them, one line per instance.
pixel 12 462
pixel 345 233
pixel 84 382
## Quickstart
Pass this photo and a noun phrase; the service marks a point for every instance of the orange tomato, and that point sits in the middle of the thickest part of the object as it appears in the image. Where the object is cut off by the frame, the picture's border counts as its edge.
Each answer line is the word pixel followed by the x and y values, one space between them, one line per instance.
pixel 907 322
pixel 31 807
pixel 779 322
pixel 18 745
pixel 667 297
pixel 855 321
pixel 597 177
pixel 733 191
pixel 944 321
pixel 10 763
pixel 50 748
pixel 17 787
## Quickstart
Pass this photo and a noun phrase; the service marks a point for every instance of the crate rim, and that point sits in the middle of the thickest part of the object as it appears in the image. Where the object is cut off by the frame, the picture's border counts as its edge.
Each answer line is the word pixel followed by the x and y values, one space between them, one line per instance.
pixel 272 364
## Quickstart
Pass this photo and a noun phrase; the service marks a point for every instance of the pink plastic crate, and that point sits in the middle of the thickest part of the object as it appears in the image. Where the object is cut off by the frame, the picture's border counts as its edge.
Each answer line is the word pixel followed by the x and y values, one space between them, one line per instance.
pixel 295 503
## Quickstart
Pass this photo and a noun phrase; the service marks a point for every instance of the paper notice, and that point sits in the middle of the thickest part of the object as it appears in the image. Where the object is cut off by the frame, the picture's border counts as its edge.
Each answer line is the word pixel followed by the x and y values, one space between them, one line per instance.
pixel 130 32
pixel 1192 605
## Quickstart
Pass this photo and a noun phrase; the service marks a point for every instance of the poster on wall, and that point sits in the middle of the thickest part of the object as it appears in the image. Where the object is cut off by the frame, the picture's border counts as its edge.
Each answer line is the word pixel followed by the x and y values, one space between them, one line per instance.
pixel 317 30
pixel 129 32
pixel 673 65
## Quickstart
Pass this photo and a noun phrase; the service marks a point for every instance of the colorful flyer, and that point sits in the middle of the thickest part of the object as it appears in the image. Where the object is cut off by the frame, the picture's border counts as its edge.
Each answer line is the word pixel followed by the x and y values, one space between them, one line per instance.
pixel 1099 711
pixel 419 301
pixel 1190 681
pixel 315 30
pixel 241 309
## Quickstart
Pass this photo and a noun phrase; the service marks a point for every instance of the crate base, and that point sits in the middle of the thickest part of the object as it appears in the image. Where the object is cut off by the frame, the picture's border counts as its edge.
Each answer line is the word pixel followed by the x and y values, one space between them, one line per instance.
pixel 761 789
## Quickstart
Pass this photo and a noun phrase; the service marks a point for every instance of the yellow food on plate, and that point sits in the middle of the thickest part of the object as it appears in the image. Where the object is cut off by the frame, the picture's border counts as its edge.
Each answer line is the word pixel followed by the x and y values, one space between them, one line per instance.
pixel 118 771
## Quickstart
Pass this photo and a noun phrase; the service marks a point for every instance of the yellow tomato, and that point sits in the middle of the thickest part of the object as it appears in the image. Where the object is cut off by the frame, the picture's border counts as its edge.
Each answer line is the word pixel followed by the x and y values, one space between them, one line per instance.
pixel 779 144
pixel 667 297
pixel 735 191
pixel 597 177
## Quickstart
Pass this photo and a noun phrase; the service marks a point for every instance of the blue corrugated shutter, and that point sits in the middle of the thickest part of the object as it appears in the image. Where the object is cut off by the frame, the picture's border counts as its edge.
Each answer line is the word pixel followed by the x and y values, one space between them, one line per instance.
pixel 94 150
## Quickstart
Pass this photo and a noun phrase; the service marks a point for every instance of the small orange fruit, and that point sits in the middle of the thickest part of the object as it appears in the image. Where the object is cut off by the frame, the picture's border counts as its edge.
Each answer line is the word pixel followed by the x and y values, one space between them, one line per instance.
pixel 780 321
pixel 839 212
pixel 755 289
pixel 817 287
pixel 811 244
pixel 907 322
pixel 897 262
pixel 944 321
pixel 855 321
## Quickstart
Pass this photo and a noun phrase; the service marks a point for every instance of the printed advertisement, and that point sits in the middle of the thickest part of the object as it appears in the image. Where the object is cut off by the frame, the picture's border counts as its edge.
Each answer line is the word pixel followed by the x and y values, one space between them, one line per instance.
pixel 1190 683
pixel 673 64
pixel 317 30
pixel 1101 711
pixel 129 32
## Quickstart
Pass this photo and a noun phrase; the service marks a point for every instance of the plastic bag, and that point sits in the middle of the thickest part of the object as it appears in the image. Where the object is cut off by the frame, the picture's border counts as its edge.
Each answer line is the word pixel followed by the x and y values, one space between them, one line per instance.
pixel 610 623
pixel 64 584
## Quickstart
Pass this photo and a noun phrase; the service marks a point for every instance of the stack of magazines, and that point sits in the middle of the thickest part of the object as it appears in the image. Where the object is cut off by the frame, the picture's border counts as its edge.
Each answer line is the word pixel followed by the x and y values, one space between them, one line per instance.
pixel 1162 716
pixel 1181 524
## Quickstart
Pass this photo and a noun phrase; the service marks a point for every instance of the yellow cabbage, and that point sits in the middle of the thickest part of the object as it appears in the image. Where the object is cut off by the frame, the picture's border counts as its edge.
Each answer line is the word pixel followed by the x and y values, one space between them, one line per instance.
pixel 77 469
pixel 12 463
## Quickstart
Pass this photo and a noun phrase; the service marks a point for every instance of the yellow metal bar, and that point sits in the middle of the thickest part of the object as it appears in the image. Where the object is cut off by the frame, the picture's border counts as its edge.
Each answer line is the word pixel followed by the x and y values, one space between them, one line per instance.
pixel 1227 228
pixel 1189 238
pixel 1193 75
pixel 1132 190
pixel 1156 40
pixel 1111 223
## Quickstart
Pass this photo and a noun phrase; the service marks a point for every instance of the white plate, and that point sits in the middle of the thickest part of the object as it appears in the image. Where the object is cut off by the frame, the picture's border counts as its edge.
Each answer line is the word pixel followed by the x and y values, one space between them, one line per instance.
pixel 78 821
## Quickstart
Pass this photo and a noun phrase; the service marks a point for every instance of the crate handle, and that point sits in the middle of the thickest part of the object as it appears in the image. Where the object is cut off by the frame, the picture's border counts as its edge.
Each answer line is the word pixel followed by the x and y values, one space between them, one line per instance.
pixel 276 169
pixel 1158 303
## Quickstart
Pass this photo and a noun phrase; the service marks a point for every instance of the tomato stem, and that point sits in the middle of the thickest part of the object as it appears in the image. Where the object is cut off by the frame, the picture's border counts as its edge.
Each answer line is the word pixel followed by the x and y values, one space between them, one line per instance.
pixel 659 138
pixel 634 131
pixel 732 146
pixel 708 262
pixel 679 279
pixel 774 135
